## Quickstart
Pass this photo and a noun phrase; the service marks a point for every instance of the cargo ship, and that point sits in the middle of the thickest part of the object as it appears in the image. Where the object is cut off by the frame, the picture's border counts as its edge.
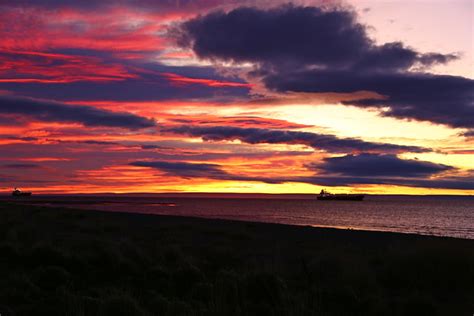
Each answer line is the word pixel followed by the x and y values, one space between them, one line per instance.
pixel 18 192
pixel 326 196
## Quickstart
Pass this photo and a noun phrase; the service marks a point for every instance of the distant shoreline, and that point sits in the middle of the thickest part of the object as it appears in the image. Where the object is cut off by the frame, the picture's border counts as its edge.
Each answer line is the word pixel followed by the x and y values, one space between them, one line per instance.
pixel 227 195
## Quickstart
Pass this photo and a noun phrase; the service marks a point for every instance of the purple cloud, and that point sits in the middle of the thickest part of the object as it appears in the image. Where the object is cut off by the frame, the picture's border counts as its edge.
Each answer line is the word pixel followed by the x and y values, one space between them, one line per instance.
pixel 310 49
pixel 325 142
pixel 51 111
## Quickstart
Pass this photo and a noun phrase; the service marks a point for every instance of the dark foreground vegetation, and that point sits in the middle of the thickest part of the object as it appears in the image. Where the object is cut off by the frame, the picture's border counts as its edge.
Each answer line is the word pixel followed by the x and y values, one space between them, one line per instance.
pixel 71 262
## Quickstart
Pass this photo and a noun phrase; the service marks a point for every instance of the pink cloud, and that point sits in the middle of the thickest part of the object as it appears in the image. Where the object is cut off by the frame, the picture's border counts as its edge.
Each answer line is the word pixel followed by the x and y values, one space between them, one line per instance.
pixel 118 30
pixel 31 66
pixel 179 80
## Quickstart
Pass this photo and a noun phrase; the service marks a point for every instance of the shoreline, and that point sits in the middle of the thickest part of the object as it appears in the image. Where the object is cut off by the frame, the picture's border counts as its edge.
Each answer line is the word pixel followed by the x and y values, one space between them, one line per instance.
pixel 224 220
pixel 217 220
pixel 68 204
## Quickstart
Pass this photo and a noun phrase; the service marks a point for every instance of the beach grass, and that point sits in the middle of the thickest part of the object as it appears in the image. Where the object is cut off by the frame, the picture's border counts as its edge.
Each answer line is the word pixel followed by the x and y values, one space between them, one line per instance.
pixel 58 261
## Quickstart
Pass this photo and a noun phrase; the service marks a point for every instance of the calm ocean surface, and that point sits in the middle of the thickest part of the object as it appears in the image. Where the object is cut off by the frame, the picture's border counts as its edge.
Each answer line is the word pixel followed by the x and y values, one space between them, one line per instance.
pixel 427 215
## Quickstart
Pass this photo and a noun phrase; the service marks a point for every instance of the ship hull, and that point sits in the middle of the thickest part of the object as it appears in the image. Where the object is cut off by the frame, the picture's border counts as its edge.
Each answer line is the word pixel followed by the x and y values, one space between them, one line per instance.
pixel 22 194
pixel 342 197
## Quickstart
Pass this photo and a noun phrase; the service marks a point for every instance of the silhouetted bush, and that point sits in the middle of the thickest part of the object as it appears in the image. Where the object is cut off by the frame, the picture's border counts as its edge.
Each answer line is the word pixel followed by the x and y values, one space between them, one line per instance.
pixel 158 304
pixel 202 292
pixel 6 311
pixel 185 278
pixel 42 254
pixel 121 306
pixel 158 279
pixel 265 287
pixel 178 307
pixel 51 277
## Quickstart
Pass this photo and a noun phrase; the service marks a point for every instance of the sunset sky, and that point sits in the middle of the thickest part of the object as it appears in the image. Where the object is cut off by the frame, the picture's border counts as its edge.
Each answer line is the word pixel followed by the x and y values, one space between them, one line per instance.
pixel 237 96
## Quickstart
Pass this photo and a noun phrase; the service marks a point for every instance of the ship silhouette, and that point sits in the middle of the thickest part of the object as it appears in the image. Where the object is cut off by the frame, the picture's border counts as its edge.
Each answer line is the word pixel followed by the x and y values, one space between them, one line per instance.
pixel 326 196
pixel 18 192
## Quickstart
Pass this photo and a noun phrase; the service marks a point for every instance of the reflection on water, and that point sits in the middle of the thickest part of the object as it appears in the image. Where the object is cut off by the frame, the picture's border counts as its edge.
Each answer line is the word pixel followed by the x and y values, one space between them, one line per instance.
pixel 439 215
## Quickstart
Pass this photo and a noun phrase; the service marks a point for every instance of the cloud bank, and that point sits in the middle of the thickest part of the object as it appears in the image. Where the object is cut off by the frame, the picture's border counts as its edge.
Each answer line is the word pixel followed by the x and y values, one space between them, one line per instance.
pixel 199 170
pixel 317 141
pixel 400 172
pixel 51 111
pixel 380 165
pixel 310 49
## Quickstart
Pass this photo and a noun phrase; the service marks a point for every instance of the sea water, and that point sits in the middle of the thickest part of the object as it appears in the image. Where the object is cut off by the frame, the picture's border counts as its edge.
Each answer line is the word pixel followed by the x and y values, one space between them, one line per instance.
pixel 451 216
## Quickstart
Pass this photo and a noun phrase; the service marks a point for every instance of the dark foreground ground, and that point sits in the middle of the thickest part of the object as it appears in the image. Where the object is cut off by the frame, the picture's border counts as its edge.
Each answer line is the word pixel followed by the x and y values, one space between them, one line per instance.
pixel 71 262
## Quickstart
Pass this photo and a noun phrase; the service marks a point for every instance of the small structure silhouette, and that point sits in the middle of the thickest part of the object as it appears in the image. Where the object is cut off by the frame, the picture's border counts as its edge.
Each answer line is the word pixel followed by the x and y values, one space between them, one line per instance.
pixel 18 192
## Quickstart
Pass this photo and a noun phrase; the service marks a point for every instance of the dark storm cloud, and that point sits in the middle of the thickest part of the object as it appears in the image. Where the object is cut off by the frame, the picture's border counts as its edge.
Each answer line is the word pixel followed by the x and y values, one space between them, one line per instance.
pixel 21 166
pixel 51 111
pixel 146 147
pixel 97 142
pixel 455 183
pixel 198 170
pixel 294 35
pixel 149 84
pixel 133 90
pixel 7 120
pixel 21 138
pixel 385 169
pixel 325 142
pixel 184 169
pixel 380 165
pixel 214 171
pixel 469 133
pixel 426 97
pixel 309 49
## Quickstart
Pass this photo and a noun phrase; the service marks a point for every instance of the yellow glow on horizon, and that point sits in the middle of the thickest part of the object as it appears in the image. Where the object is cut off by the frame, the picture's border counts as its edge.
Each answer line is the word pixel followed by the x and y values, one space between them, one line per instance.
pixel 461 161
pixel 213 186
pixel 347 121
